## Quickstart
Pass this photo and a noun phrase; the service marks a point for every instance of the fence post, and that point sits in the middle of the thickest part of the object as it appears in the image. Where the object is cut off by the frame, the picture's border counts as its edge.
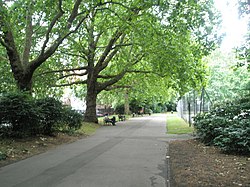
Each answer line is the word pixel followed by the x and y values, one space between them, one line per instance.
pixel 189 114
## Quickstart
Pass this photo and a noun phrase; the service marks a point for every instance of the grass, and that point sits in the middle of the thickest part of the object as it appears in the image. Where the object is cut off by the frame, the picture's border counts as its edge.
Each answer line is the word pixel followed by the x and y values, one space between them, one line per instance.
pixel 88 128
pixel 176 125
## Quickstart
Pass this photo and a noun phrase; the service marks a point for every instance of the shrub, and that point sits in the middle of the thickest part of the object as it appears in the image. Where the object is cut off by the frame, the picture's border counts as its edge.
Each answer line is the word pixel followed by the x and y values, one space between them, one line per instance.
pixel 51 113
pixel 234 138
pixel 119 109
pixel 3 156
pixel 206 125
pixel 18 114
pixel 72 118
pixel 21 115
pixel 226 126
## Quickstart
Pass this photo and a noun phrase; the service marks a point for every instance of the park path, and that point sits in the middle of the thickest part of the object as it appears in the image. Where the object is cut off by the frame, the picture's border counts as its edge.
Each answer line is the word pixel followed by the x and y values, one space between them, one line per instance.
pixel 131 154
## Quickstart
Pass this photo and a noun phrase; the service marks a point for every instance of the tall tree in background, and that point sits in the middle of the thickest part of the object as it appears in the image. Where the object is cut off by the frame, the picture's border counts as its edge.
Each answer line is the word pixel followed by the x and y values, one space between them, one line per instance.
pixel 243 51
pixel 225 82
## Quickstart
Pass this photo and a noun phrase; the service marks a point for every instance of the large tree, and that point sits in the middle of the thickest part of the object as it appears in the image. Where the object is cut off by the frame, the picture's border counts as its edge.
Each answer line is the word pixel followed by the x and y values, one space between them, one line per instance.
pixel 31 31
pixel 166 39
pixel 102 41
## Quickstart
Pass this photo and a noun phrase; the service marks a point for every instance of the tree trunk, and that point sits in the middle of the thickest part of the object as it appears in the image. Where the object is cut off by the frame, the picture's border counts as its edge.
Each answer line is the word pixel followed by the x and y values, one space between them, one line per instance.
pixel 21 70
pixel 90 113
pixel 22 76
pixel 126 103
pixel 24 82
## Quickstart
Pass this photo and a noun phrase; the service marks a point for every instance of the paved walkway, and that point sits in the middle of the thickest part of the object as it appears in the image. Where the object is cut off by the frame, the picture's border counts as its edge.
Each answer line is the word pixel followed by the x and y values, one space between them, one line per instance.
pixel 131 154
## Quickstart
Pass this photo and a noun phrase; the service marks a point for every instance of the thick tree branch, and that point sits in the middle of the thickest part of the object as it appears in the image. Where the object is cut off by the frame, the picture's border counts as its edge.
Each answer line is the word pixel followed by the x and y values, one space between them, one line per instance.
pixel 41 58
pixel 74 13
pixel 64 70
pixel 97 38
pixel 9 43
pixel 28 35
pixel 106 76
pixel 5 31
pixel 7 47
pixel 107 50
pixel 115 46
pixel 70 84
pixel 73 74
pixel 115 79
pixel 52 24
pixel 117 87
pixel 108 58
pixel 73 54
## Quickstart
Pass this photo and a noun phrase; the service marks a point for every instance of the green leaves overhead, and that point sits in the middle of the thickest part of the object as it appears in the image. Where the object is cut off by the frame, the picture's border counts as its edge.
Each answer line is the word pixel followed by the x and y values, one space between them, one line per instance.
pixel 107 40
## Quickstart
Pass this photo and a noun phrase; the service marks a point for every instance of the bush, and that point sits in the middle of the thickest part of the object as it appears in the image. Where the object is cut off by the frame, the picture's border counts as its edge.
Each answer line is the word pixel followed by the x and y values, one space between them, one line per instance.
pixel 51 113
pixel 72 118
pixel 18 114
pixel 206 125
pixel 226 126
pixel 3 156
pixel 234 138
pixel 21 115
pixel 119 109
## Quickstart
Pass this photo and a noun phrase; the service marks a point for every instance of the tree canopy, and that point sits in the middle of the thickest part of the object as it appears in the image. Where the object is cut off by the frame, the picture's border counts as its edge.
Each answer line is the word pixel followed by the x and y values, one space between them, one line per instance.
pixel 106 45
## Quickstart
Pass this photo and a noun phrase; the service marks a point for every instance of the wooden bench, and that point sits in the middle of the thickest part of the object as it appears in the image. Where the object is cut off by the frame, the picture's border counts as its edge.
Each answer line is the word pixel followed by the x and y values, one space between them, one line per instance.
pixel 121 117
pixel 110 121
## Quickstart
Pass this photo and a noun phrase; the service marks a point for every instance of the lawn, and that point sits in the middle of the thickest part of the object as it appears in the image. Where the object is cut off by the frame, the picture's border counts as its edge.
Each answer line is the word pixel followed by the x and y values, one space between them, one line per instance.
pixel 176 125
pixel 88 128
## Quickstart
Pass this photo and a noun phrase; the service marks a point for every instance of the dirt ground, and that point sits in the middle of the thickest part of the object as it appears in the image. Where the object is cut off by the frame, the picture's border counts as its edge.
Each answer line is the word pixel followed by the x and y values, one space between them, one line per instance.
pixel 19 149
pixel 196 165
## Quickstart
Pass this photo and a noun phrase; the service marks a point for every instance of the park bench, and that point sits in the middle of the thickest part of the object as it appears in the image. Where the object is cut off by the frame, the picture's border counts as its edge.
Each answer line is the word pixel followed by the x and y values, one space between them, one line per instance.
pixel 121 117
pixel 110 121
pixel 137 114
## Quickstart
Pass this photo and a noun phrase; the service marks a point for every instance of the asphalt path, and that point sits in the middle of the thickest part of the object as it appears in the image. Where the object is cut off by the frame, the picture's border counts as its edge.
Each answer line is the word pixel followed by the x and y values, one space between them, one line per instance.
pixel 132 154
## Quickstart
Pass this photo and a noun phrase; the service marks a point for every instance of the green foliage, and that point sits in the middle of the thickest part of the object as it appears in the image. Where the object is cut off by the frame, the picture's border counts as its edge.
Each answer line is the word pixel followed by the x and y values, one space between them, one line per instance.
pixel 18 113
pixel 225 82
pixel 22 115
pixel 7 80
pixel 108 39
pixel 72 118
pixel 226 126
pixel 3 156
pixel 51 112
pixel 135 106
pixel 171 106
pixel 119 109
pixel 234 138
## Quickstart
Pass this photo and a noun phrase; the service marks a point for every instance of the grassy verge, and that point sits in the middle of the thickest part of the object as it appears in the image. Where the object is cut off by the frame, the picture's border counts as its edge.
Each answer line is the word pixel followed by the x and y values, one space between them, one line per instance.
pixel 88 128
pixel 176 125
